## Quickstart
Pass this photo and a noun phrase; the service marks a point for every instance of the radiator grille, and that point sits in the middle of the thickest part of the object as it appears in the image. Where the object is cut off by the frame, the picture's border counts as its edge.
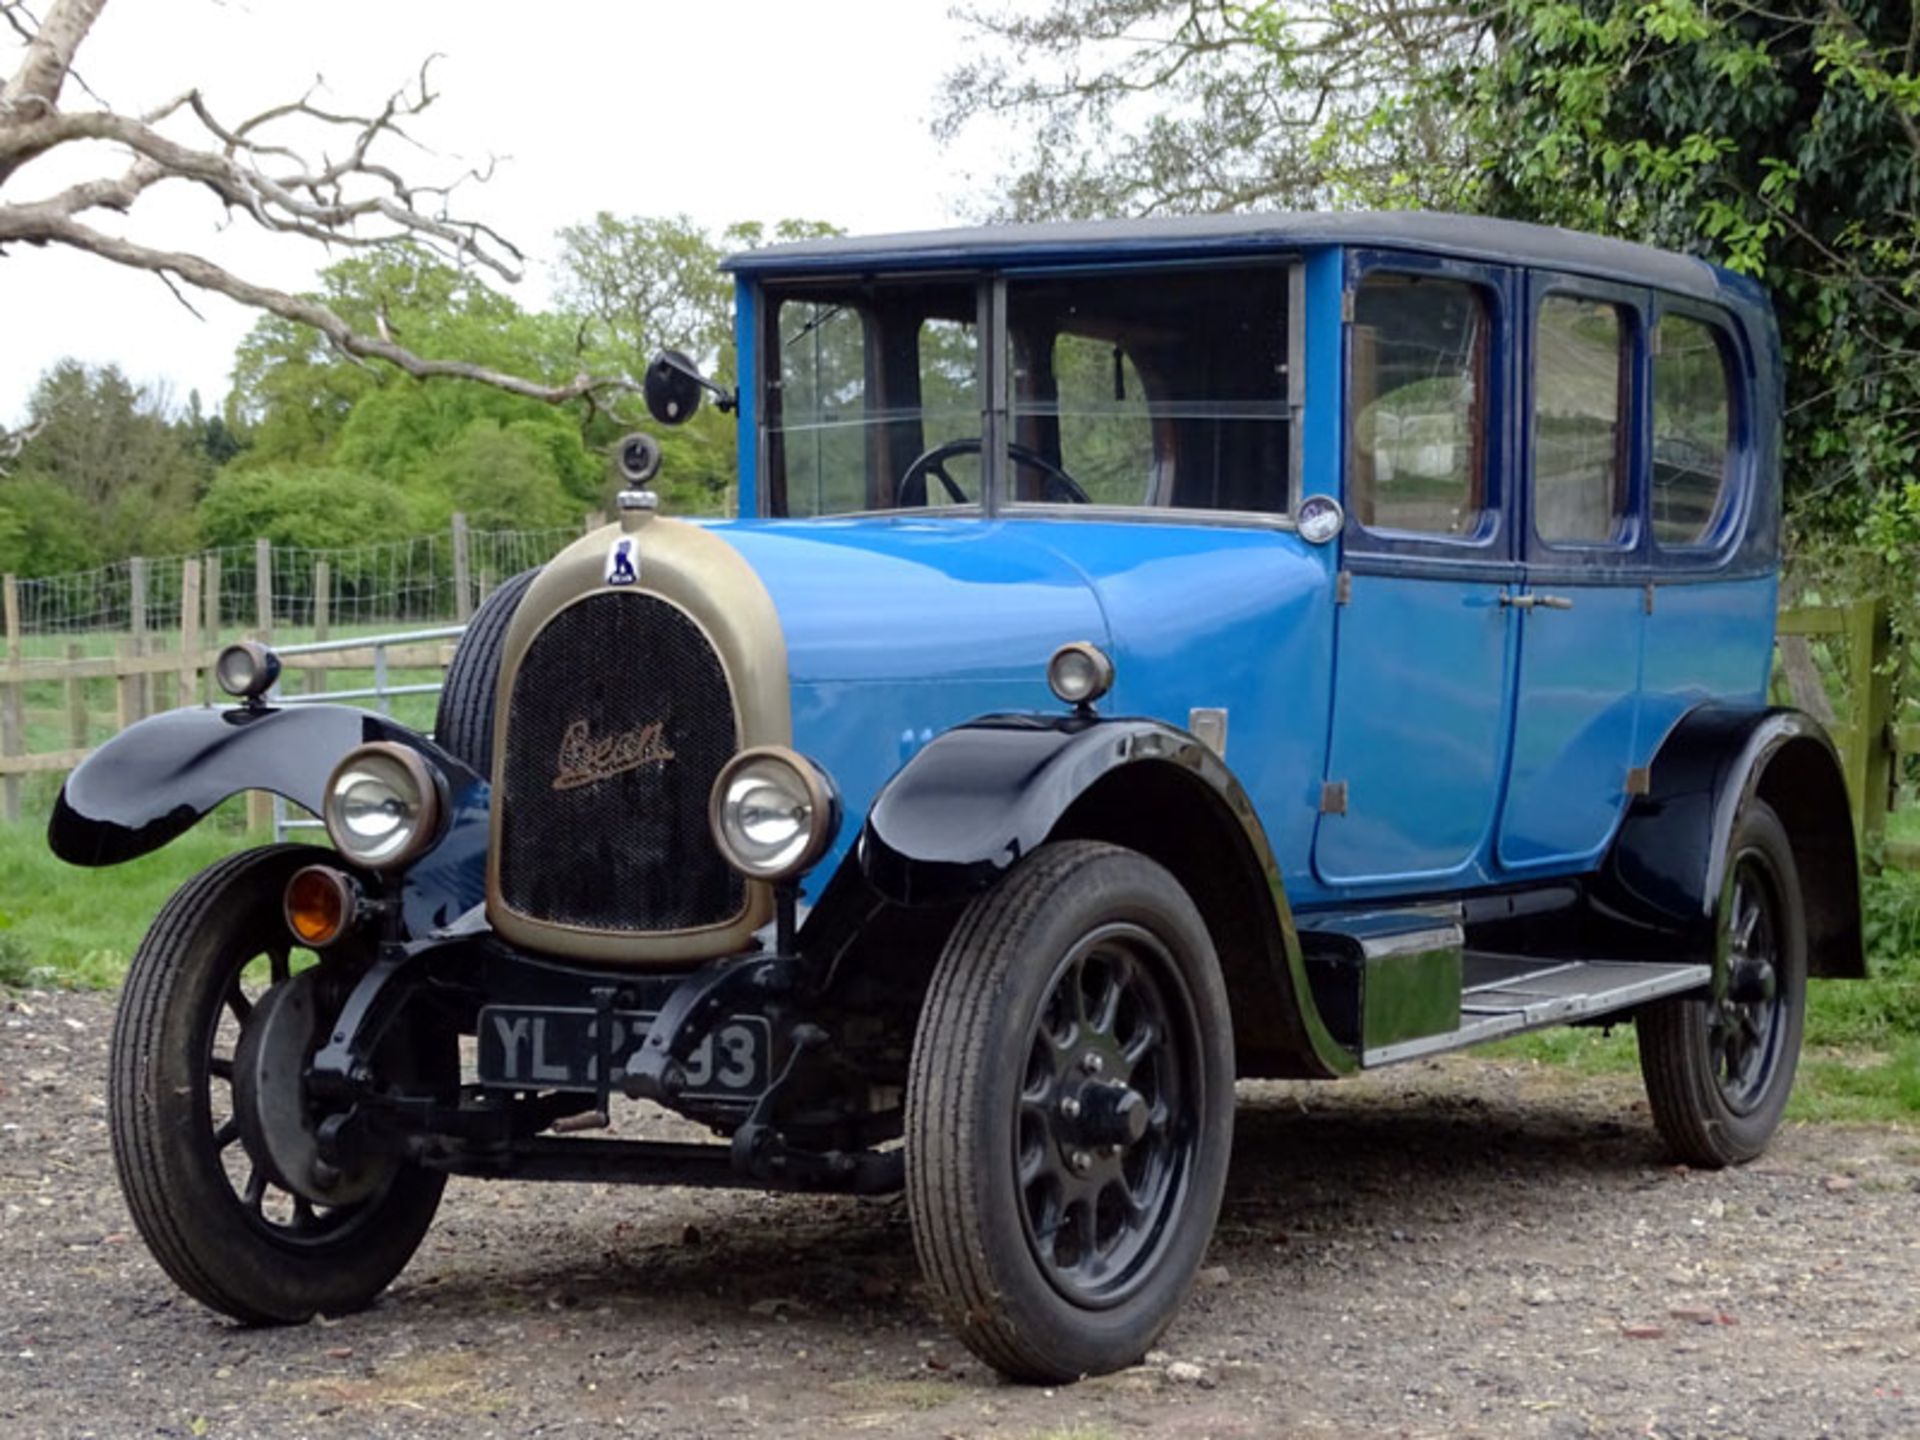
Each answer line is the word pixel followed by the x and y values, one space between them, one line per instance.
pixel 620 719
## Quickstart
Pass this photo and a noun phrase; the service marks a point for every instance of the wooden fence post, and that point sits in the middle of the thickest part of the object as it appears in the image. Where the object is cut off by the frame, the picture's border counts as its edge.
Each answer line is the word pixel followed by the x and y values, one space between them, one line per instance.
pixel 1869 653
pixel 77 730
pixel 210 620
pixel 13 737
pixel 137 587
pixel 462 570
pixel 126 686
pixel 189 630
pixel 263 590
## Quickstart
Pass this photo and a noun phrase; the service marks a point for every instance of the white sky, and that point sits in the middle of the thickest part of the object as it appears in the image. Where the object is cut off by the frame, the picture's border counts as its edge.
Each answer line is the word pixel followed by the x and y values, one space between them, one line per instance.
pixel 752 109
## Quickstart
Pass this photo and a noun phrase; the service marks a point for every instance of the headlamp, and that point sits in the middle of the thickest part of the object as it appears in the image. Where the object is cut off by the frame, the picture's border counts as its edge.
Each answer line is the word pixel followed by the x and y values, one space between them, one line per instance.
pixel 382 805
pixel 773 813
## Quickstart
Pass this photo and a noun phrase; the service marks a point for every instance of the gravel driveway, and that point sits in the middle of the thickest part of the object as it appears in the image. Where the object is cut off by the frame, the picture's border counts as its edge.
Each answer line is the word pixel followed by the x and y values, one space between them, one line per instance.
pixel 1455 1249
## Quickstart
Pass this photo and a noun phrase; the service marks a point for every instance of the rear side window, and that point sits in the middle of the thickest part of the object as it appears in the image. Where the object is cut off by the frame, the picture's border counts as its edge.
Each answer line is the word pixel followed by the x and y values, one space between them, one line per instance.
pixel 1417 419
pixel 1692 431
pixel 1579 474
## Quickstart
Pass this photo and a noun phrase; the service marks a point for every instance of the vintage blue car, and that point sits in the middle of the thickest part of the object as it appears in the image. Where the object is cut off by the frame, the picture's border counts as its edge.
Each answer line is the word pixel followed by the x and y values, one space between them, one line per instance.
pixel 1149 654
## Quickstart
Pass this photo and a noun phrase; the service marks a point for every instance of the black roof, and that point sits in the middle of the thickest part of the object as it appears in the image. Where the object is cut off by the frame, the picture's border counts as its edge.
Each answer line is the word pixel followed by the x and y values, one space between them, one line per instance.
pixel 1504 241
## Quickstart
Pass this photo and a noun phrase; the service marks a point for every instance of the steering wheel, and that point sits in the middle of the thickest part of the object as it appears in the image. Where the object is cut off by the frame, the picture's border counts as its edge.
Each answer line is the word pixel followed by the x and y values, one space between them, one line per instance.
pixel 912 490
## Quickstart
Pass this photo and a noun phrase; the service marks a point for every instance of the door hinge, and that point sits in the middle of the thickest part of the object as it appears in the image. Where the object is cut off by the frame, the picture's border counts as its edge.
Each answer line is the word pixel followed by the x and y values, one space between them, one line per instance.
pixel 1639 780
pixel 1646 600
pixel 1343 587
pixel 1346 306
pixel 1333 798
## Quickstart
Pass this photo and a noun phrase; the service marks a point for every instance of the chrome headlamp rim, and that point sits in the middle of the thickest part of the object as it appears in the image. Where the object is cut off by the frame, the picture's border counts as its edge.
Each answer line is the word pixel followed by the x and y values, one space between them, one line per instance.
pixel 822 805
pixel 263 668
pixel 1095 657
pixel 426 785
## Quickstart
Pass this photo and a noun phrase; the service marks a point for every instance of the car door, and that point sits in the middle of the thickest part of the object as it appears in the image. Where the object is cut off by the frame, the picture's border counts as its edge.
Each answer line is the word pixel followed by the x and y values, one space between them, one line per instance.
pixel 1423 644
pixel 1581 613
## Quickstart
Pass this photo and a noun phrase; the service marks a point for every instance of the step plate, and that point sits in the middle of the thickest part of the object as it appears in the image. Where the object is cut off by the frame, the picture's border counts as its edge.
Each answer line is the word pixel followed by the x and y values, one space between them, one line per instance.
pixel 1506 994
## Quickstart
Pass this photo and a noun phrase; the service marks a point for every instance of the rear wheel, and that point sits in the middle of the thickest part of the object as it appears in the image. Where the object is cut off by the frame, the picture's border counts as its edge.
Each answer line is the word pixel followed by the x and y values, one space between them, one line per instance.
pixel 463 723
pixel 212 1137
pixel 1070 1113
pixel 1719 1067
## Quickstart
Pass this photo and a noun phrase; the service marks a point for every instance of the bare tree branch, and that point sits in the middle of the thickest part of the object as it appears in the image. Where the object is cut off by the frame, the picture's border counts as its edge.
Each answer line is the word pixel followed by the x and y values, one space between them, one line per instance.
pixel 12 442
pixel 343 191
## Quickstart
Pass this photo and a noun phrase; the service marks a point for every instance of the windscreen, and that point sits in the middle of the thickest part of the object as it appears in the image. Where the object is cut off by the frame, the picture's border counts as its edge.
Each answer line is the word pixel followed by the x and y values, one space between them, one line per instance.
pixel 873 398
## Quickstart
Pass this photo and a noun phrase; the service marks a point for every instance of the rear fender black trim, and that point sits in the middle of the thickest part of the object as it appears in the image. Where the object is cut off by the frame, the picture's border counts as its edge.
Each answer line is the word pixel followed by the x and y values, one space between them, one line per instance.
pixel 1664 878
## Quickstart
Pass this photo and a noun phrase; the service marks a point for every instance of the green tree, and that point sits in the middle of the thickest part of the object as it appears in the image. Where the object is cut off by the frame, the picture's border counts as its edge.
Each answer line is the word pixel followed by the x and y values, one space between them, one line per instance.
pixel 1140 107
pixel 44 529
pixel 303 405
pixel 646 283
pixel 501 478
pixel 1782 140
pixel 118 454
pixel 319 507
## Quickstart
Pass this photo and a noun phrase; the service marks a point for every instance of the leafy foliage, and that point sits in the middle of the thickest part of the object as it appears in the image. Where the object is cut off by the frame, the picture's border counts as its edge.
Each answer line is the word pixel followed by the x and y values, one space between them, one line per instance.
pixel 109 469
pixel 1780 140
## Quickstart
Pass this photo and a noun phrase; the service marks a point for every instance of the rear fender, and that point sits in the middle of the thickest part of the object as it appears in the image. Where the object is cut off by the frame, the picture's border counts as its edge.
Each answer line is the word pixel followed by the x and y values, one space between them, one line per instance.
pixel 1665 878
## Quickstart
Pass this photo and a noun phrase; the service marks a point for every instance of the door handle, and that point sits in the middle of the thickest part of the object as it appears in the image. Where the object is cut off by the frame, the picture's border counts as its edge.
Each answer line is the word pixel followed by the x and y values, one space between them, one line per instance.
pixel 1535 601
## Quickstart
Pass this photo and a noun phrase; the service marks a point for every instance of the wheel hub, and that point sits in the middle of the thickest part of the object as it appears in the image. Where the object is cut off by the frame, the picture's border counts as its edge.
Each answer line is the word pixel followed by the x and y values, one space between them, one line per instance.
pixel 278 1125
pixel 1109 1115
pixel 1102 1148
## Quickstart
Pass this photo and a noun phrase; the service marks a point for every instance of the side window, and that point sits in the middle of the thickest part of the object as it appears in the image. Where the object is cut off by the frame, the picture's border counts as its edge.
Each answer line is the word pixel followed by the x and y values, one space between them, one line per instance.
pixel 1162 388
pixel 1692 431
pixel 1106 432
pixel 1579 470
pixel 823 406
pixel 1418 408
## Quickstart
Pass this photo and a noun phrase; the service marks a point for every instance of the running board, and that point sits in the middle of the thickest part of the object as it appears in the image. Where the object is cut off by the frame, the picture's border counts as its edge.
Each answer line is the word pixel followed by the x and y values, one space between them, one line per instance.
pixel 1507 994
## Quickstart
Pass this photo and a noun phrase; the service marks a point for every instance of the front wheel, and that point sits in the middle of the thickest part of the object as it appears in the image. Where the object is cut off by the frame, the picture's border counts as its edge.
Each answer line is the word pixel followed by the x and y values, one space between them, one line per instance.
pixel 1719 1067
pixel 1070 1113
pixel 213 1138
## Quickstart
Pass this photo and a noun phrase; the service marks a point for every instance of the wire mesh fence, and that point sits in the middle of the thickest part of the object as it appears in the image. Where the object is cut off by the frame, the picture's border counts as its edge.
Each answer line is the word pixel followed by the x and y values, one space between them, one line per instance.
pixel 267 587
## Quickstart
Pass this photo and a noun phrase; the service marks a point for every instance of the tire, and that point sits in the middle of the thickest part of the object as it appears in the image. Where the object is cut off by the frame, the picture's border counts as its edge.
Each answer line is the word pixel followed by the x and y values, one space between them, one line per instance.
pixel 1021 1150
pixel 1719 1067
pixel 463 722
pixel 242 1247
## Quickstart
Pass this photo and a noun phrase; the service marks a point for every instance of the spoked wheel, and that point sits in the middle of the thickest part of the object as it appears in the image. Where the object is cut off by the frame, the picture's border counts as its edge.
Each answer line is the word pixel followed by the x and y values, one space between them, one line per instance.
pixel 1719 1067
pixel 1070 1113
pixel 213 1138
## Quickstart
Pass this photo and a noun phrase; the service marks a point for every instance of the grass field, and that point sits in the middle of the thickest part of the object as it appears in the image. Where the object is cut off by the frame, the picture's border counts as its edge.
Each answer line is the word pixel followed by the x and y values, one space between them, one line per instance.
pixel 65 927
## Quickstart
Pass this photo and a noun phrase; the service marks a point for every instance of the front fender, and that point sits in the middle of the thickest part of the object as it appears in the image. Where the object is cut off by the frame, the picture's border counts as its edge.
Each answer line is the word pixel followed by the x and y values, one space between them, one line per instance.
pixel 157 778
pixel 980 797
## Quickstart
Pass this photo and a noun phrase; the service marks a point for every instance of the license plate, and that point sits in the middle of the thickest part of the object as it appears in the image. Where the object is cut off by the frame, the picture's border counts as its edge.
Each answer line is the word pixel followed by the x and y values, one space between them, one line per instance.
pixel 556 1048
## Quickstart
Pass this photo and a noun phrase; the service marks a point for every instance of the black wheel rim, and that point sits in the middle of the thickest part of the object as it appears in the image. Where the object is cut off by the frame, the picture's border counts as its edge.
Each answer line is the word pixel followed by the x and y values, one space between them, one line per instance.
pixel 267 1208
pixel 1747 1023
pixel 1106 1118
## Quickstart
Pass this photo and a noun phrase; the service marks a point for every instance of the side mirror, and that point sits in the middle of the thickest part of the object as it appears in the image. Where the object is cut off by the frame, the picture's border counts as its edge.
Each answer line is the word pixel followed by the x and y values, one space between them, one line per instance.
pixel 672 388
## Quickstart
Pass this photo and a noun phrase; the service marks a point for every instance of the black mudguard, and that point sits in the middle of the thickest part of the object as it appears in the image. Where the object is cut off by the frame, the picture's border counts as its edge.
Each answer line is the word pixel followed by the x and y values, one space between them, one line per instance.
pixel 157 778
pixel 983 795
pixel 1664 879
